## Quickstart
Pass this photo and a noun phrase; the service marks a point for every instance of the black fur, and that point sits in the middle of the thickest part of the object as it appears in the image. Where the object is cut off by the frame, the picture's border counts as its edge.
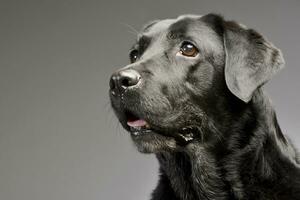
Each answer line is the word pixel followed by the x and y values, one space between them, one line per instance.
pixel 210 143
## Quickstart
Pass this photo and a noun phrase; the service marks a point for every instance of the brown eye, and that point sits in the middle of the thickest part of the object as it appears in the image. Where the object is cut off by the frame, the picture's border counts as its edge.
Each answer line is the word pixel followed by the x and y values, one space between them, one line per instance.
pixel 188 49
pixel 133 55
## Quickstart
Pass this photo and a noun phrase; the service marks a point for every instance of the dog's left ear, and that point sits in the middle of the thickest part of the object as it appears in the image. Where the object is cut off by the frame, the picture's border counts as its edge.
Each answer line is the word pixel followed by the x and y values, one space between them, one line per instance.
pixel 251 60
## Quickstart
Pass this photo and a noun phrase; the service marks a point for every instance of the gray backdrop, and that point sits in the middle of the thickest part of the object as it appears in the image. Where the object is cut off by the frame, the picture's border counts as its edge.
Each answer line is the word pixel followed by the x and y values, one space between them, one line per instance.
pixel 59 139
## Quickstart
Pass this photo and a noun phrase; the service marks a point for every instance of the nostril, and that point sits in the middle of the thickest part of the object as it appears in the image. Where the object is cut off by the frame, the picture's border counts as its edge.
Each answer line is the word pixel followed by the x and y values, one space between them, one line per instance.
pixel 122 80
pixel 112 84
pixel 129 78
pixel 126 82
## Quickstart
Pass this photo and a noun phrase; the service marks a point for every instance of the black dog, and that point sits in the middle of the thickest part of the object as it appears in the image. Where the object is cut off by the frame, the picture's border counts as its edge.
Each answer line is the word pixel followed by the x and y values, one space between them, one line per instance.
pixel 193 96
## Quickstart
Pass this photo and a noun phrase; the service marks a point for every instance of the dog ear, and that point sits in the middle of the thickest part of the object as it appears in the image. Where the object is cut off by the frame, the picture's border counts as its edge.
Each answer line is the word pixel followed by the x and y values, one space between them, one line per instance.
pixel 251 60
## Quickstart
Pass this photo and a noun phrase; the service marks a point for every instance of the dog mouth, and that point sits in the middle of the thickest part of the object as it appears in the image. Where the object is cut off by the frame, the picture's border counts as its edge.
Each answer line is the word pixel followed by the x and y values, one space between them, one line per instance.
pixel 137 126
pixel 141 128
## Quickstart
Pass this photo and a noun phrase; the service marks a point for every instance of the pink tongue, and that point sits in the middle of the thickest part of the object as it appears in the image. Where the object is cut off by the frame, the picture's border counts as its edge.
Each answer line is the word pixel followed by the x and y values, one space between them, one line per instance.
pixel 137 123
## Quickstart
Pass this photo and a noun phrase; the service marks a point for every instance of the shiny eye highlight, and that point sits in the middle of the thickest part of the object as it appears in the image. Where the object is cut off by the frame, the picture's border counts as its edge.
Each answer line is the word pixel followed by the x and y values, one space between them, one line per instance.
pixel 188 49
pixel 133 55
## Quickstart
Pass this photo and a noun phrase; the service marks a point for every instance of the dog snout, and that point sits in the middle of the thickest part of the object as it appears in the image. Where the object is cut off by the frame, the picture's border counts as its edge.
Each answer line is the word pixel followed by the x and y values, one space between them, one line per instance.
pixel 123 79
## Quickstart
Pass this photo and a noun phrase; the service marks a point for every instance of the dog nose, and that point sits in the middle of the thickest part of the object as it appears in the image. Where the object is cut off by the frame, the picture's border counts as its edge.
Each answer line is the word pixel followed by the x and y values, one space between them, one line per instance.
pixel 124 79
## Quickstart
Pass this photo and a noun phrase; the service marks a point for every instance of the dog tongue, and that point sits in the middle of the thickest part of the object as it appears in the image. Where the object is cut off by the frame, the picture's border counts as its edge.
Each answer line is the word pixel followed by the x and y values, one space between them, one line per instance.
pixel 137 123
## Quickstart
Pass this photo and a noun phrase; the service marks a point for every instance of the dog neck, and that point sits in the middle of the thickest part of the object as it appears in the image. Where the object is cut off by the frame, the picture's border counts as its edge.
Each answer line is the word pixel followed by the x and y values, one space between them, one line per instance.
pixel 189 176
pixel 244 155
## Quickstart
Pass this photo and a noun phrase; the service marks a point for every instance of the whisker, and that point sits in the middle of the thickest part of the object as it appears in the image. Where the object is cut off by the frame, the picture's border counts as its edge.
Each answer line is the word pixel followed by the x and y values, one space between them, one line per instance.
pixel 132 30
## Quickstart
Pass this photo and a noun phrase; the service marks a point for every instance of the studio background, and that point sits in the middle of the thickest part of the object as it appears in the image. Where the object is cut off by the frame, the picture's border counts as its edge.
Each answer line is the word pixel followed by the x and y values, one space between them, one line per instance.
pixel 59 139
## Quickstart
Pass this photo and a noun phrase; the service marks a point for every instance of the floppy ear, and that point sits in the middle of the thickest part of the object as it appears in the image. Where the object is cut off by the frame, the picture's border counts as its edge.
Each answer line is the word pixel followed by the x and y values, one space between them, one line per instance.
pixel 250 60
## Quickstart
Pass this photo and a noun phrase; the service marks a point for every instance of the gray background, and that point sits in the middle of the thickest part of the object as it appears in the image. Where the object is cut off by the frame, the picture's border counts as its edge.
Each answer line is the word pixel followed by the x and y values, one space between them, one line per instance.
pixel 59 139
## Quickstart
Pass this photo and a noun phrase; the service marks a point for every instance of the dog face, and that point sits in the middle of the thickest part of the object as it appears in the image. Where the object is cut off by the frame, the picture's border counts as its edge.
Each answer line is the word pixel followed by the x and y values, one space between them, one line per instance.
pixel 188 76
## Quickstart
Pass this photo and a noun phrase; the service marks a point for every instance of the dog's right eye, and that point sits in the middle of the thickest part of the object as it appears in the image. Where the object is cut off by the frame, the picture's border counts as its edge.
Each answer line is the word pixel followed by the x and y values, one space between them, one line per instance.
pixel 188 49
pixel 133 55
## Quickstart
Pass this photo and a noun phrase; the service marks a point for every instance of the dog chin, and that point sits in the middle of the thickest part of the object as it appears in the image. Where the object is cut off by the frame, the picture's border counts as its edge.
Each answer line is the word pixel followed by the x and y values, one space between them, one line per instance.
pixel 151 142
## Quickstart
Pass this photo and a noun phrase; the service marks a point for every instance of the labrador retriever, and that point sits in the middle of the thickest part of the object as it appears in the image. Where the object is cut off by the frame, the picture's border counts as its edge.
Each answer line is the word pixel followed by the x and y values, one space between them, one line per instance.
pixel 193 96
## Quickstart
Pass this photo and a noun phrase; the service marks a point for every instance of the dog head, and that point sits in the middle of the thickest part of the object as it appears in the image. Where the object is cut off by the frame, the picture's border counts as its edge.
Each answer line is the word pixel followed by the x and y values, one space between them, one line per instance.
pixel 187 75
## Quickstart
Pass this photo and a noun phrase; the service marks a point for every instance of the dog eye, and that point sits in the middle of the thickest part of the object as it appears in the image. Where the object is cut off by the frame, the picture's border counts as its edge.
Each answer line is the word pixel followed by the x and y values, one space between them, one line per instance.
pixel 188 49
pixel 133 55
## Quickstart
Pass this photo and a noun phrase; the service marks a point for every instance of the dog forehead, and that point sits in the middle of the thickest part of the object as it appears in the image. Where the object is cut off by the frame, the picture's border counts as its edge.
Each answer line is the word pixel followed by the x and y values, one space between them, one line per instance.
pixel 184 24
pixel 193 26
pixel 158 26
